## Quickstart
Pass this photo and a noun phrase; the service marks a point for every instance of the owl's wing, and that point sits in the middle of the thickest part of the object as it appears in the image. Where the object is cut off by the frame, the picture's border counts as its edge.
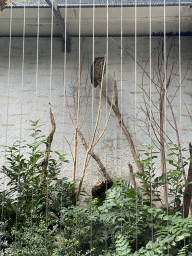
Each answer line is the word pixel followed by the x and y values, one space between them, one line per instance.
pixel 97 69
pixel 93 80
pixel 91 74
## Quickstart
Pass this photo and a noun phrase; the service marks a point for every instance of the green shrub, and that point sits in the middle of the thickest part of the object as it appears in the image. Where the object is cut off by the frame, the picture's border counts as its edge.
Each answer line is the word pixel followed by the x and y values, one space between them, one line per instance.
pixel 126 223
pixel 28 194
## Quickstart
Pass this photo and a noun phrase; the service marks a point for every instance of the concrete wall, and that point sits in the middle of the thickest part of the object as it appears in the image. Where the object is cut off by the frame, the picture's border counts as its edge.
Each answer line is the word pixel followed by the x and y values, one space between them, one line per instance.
pixel 20 103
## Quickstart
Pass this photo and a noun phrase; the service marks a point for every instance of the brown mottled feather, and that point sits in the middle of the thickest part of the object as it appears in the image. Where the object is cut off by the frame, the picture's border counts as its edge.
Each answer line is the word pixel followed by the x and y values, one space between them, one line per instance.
pixel 98 69
pixel 3 4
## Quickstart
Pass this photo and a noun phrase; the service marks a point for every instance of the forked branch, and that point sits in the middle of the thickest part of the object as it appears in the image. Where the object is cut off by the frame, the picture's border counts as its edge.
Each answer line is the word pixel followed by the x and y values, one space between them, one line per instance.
pixel 94 142
pixel 115 108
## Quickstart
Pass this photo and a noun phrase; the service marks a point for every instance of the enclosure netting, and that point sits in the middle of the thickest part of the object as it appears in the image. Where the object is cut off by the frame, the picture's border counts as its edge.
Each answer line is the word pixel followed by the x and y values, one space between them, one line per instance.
pixel 119 106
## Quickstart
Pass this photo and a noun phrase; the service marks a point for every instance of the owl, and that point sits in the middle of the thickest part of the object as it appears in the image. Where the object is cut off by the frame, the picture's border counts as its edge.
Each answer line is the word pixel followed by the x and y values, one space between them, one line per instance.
pixel 3 4
pixel 98 69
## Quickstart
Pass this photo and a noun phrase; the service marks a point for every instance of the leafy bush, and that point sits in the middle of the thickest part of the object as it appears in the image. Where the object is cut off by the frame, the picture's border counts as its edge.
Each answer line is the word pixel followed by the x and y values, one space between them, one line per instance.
pixel 28 192
pixel 126 223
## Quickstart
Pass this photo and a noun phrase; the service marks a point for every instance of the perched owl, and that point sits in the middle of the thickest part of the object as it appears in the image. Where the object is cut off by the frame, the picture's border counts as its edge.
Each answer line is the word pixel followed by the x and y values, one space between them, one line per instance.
pixel 98 69
pixel 3 4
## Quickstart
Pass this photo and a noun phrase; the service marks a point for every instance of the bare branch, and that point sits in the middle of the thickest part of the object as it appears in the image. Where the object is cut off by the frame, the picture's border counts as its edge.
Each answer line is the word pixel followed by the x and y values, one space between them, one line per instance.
pixel 132 177
pixel 48 144
pixel 102 168
pixel 89 149
pixel 121 123
pixel 46 158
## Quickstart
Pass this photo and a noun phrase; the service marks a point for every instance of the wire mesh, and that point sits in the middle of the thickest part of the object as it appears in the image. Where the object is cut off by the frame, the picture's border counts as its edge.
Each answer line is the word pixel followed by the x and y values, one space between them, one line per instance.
pixel 141 108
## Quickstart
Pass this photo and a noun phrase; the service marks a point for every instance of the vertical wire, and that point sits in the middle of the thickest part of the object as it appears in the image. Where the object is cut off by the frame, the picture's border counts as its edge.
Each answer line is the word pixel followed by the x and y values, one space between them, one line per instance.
pixel 22 86
pixel 37 61
pixel 51 64
pixel 64 75
pixel 150 104
pixel 22 76
pixel 36 95
pixel 180 103
pixel 93 70
pixel 121 101
pixel 64 89
pixel 107 73
pixel 79 41
pixel 7 113
pixel 50 96
pixel 37 64
pixel 180 89
pixel 165 61
pixel 135 64
pixel 79 85
pixel 92 103
pixel 165 77
pixel 165 103
pixel 135 110
pixel 180 63
pixel 107 51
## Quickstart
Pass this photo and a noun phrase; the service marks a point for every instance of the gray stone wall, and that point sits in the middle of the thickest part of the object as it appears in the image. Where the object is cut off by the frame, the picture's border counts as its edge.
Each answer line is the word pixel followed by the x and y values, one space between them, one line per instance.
pixel 20 103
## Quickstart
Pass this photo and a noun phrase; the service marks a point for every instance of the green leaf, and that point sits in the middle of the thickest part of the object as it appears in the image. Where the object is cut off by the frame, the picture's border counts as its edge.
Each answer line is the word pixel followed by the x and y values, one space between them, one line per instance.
pixel 179 238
